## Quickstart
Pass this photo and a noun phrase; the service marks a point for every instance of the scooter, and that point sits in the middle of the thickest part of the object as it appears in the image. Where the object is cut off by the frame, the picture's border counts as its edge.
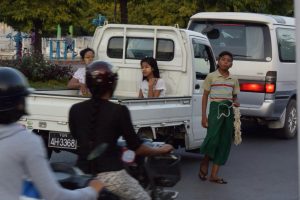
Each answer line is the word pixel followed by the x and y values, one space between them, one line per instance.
pixel 69 177
pixel 154 173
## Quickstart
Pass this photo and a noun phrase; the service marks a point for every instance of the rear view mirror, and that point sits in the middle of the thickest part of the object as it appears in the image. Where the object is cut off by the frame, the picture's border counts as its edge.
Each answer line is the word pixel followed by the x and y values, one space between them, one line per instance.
pixel 213 34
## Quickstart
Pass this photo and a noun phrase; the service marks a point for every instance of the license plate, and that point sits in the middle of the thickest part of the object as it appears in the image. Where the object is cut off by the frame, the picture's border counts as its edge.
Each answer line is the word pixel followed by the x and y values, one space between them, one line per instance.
pixel 62 140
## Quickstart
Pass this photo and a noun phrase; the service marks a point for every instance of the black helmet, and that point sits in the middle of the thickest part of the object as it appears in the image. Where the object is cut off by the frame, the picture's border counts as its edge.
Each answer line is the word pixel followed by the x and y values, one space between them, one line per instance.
pixel 101 78
pixel 13 87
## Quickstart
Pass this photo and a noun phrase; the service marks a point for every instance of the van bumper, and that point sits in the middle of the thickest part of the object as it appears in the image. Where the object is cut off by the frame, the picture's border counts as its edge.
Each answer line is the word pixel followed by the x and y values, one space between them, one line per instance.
pixel 265 110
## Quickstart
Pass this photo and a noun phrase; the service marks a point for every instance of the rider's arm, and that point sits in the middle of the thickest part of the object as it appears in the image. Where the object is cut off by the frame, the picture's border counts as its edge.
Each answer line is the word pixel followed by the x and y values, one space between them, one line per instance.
pixel 149 151
pixel 134 142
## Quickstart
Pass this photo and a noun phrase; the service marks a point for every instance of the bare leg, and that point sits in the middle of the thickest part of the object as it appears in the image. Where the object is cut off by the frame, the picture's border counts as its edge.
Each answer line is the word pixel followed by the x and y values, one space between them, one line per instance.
pixel 203 170
pixel 214 175
pixel 214 171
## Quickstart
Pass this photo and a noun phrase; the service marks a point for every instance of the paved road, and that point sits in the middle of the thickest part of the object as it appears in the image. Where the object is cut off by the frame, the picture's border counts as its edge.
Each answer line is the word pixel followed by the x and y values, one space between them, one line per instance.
pixel 263 167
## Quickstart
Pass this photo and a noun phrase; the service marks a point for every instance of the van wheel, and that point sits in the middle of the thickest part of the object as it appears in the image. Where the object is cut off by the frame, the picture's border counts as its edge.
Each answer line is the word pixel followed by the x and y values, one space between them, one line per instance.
pixel 290 125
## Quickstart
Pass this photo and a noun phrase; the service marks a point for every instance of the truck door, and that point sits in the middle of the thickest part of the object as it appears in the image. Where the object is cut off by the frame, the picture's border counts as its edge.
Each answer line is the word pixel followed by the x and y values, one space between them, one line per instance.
pixel 203 63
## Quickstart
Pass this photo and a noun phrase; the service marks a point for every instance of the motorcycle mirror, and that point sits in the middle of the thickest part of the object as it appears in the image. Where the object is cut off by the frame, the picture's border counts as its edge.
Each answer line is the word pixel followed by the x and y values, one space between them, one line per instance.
pixel 97 151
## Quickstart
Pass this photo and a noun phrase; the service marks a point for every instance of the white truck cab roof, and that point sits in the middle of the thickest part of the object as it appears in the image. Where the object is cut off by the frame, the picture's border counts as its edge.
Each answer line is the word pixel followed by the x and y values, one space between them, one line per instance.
pixel 252 17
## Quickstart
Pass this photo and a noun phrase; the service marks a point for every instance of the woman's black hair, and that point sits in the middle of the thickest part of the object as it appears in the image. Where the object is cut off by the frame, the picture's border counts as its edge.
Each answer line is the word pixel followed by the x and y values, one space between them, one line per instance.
pixel 91 168
pixel 152 62
pixel 84 51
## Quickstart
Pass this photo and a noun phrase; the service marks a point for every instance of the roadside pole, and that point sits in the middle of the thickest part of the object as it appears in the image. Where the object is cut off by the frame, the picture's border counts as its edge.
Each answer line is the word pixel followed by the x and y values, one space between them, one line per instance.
pixel 297 15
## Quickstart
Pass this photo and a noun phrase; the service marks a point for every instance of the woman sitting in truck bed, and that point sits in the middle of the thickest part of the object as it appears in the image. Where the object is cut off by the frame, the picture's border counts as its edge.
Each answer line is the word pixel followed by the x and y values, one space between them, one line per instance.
pixel 78 79
pixel 151 85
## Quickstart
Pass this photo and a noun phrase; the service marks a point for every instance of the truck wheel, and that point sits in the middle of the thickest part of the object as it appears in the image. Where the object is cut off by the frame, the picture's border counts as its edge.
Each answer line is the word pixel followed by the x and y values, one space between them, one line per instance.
pixel 290 125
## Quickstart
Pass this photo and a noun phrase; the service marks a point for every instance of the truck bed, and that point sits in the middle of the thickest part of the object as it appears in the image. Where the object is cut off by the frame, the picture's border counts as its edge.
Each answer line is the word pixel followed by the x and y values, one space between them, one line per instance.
pixel 48 110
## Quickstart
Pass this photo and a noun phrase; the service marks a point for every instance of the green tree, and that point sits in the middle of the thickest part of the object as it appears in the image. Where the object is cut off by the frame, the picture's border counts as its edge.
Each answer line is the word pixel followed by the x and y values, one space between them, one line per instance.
pixel 43 15
pixel 256 6
pixel 156 12
pixel 40 14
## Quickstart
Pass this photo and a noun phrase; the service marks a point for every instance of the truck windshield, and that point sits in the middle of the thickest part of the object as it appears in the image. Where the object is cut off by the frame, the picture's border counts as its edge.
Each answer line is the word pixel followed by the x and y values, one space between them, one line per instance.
pixel 245 41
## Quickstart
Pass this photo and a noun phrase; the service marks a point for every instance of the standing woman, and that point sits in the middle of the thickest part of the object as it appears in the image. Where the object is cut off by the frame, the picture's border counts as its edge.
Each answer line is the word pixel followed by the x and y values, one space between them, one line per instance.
pixel 78 79
pixel 152 85
pixel 99 121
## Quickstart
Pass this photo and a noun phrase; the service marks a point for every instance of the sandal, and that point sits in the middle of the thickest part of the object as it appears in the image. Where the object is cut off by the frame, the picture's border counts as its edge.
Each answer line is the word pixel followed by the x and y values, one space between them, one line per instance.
pixel 202 175
pixel 218 181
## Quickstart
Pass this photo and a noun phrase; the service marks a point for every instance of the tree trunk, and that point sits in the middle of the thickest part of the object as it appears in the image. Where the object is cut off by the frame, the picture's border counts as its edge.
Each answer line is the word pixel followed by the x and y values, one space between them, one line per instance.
pixel 124 11
pixel 38 27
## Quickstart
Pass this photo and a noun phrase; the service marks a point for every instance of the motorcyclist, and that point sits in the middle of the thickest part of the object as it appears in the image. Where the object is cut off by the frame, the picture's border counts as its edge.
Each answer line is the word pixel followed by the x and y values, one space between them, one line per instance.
pixel 22 153
pixel 99 121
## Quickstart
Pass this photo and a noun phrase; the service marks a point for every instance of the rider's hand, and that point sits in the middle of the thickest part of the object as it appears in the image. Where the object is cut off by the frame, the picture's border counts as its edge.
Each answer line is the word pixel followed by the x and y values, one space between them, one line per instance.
pixel 96 185
pixel 166 148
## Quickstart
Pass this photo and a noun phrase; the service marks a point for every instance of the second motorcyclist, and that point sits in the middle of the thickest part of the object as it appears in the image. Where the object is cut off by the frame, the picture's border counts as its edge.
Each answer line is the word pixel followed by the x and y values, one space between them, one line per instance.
pixel 99 121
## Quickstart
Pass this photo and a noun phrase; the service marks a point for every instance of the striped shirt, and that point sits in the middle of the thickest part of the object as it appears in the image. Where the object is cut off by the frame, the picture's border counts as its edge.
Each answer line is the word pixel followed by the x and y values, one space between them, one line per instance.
pixel 221 88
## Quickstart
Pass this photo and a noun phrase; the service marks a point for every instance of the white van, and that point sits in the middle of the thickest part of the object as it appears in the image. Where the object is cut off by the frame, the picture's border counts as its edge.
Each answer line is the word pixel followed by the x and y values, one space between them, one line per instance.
pixel 264 61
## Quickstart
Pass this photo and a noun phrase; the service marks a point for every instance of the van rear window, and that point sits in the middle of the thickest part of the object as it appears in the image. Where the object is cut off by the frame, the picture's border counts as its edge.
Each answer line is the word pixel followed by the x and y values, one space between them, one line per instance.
pixel 138 48
pixel 245 41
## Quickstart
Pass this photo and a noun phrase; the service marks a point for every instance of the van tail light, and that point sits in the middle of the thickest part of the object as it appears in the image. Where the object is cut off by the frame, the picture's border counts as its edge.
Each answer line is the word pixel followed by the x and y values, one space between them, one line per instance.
pixel 267 86
pixel 271 78
pixel 252 87
pixel 270 87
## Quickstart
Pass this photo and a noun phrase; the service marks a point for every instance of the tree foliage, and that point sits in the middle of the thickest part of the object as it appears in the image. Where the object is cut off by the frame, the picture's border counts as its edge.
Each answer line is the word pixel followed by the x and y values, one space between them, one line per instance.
pixel 39 14
pixel 45 15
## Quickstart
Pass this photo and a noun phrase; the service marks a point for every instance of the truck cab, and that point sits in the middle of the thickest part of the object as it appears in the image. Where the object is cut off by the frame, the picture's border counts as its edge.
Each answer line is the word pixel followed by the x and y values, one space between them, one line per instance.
pixel 183 56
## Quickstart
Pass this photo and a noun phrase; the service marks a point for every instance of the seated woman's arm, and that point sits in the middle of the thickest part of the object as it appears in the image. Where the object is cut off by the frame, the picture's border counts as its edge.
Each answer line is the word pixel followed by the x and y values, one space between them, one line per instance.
pixel 159 88
pixel 74 84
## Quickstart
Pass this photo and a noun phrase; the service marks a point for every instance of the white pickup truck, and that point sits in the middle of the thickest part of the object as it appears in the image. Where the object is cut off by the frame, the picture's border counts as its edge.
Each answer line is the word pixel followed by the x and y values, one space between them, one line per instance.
pixel 184 59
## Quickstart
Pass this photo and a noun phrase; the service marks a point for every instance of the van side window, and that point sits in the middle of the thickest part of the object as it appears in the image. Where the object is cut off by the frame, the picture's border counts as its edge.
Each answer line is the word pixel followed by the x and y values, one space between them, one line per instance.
pixel 286 44
pixel 138 48
pixel 203 59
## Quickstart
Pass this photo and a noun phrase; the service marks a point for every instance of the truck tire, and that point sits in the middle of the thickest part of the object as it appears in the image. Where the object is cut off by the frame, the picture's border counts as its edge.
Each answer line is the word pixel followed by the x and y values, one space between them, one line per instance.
pixel 290 125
